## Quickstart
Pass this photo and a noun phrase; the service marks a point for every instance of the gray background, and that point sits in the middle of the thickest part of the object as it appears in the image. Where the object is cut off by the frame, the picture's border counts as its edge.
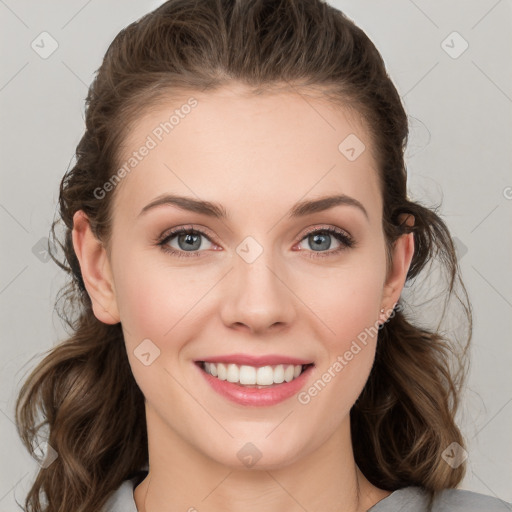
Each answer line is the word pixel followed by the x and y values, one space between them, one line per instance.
pixel 460 108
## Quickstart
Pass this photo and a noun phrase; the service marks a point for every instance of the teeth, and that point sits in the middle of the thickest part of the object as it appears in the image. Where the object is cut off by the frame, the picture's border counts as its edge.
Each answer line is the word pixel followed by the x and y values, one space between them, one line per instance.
pixel 252 375
pixel 247 375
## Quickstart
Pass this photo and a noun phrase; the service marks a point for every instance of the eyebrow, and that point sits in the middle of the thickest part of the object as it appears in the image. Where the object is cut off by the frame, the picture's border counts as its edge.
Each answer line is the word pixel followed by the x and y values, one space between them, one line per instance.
pixel 215 210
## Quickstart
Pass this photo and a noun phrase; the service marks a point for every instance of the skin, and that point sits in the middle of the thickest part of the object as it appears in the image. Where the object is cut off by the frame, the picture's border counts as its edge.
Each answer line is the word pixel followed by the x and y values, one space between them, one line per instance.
pixel 257 156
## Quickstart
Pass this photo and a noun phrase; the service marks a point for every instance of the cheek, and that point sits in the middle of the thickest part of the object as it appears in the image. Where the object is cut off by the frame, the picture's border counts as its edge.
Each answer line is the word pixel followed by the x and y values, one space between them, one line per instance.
pixel 147 305
pixel 352 316
pixel 357 308
pixel 350 303
pixel 150 309
pixel 350 308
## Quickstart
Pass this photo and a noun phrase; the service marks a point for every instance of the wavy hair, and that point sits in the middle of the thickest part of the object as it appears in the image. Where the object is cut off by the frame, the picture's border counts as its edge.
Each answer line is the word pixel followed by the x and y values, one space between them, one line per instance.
pixel 83 394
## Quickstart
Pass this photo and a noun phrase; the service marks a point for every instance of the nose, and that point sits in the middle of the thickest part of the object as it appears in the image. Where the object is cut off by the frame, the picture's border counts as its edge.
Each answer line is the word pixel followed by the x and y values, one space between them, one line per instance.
pixel 256 296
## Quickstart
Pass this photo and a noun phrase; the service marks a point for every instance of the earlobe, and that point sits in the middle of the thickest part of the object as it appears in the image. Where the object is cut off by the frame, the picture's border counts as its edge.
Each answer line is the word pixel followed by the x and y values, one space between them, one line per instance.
pixel 402 254
pixel 95 269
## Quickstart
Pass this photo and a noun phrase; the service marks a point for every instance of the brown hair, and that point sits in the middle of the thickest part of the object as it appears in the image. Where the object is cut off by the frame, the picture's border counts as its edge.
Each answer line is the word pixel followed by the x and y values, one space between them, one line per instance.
pixel 84 390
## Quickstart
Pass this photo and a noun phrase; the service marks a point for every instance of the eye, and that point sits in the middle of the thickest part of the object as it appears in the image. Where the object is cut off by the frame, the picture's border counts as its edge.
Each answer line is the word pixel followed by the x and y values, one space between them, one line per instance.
pixel 188 242
pixel 321 239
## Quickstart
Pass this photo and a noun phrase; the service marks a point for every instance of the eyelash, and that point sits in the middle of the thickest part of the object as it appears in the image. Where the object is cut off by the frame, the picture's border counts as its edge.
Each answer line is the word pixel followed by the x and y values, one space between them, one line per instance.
pixel 344 238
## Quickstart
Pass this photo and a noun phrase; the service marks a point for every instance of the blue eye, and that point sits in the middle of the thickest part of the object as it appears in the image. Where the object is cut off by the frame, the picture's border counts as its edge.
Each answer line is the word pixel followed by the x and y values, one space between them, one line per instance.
pixel 317 237
pixel 189 241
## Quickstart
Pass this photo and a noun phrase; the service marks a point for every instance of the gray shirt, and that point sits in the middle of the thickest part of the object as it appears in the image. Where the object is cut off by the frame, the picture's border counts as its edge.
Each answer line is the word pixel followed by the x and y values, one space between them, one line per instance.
pixel 409 499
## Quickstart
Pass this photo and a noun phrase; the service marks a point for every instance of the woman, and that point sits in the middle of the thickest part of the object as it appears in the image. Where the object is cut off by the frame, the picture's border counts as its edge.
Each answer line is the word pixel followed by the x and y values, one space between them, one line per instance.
pixel 239 235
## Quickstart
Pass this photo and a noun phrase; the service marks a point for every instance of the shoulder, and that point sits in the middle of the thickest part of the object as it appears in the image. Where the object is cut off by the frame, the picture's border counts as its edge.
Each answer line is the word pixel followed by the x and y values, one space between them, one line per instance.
pixel 416 499
pixel 468 501
pixel 122 500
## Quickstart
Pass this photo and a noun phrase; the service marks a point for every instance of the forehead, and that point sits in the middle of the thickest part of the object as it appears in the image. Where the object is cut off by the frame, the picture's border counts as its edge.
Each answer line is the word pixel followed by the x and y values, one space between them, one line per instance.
pixel 247 151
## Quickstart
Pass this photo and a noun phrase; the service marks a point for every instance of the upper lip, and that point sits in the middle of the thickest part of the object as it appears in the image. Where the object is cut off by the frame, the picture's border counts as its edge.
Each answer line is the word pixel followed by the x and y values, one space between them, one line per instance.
pixel 249 360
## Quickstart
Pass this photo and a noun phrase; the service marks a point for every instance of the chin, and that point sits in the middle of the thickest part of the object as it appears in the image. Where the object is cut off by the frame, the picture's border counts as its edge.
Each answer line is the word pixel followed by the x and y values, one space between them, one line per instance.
pixel 264 454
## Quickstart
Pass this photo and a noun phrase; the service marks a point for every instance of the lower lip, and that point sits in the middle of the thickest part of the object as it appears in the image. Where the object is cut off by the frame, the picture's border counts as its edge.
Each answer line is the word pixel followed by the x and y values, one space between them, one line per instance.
pixel 245 395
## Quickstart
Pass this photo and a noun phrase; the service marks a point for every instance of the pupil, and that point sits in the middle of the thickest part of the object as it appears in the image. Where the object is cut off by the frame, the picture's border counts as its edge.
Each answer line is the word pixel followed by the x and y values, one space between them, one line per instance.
pixel 189 241
pixel 318 241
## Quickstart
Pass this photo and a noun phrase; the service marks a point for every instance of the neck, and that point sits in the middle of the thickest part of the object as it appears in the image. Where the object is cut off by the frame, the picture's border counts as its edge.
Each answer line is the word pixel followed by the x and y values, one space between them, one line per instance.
pixel 182 478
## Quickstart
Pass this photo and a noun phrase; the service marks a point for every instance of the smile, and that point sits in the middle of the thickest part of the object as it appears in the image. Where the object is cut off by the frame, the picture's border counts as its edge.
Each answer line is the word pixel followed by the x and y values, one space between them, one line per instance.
pixel 246 375
pixel 248 385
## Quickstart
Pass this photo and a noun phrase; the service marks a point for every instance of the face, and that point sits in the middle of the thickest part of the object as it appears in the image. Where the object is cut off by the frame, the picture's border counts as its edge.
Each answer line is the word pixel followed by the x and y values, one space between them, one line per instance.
pixel 266 279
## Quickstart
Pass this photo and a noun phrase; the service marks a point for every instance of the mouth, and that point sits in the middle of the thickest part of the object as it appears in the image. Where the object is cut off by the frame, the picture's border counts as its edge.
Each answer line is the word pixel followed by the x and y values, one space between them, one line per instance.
pixel 258 377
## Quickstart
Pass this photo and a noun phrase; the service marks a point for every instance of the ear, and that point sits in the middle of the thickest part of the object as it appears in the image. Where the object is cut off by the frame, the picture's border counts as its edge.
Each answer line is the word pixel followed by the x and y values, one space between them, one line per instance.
pixel 402 253
pixel 95 268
